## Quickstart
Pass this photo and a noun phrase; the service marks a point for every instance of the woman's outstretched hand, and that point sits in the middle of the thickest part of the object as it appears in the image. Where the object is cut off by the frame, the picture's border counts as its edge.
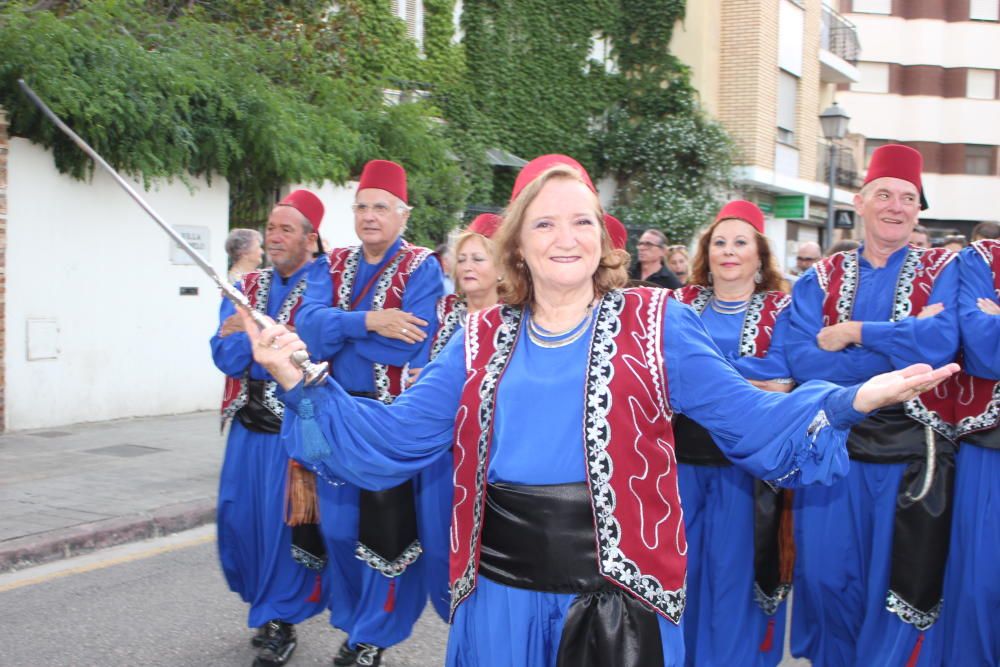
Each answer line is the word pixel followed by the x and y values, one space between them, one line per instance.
pixel 272 348
pixel 900 386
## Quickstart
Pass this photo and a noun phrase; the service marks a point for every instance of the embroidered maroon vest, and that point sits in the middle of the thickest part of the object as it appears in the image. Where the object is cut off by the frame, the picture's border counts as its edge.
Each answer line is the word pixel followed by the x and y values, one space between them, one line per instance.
pixel 257 287
pixel 451 313
pixel 627 438
pixel 387 293
pixel 838 277
pixel 977 400
pixel 758 322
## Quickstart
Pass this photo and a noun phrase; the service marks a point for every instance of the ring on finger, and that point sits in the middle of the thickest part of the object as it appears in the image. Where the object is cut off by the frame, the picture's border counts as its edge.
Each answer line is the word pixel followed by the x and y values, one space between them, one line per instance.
pixel 403 330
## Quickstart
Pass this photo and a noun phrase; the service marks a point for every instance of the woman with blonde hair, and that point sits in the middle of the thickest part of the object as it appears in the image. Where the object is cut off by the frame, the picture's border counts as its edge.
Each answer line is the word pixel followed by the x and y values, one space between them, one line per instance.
pixel 567 540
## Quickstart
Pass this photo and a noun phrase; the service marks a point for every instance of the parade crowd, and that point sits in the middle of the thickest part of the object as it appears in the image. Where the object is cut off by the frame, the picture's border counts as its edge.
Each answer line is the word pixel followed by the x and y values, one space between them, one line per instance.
pixel 579 462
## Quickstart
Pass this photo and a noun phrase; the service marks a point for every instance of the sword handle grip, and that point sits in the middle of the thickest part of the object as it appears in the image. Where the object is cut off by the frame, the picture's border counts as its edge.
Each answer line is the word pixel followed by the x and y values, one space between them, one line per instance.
pixel 314 373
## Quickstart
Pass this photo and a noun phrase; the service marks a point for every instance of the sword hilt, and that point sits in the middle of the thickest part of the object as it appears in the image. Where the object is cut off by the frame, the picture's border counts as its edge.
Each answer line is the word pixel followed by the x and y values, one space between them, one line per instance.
pixel 314 373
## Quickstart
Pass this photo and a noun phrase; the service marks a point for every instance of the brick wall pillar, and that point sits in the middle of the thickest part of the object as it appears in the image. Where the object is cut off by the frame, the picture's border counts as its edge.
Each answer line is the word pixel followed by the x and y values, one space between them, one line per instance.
pixel 4 151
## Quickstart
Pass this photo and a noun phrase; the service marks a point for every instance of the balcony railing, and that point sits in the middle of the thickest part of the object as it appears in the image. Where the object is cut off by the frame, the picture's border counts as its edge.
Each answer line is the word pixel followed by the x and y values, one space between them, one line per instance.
pixel 848 175
pixel 839 36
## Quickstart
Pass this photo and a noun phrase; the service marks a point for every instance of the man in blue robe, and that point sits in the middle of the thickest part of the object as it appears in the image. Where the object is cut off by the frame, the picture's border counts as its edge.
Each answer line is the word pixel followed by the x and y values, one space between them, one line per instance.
pixel 871 550
pixel 255 543
pixel 367 310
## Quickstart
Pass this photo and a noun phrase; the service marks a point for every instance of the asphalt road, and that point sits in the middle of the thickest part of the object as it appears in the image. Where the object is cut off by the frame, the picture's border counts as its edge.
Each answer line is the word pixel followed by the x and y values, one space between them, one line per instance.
pixel 159 602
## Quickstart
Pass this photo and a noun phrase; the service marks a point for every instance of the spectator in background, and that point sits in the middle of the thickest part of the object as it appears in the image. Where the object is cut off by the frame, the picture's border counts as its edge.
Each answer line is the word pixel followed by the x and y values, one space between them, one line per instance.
pixel 678 262
pixel 920 237
pixel 808 254
pixel 446 257
pixel 652 250
pixel 986 230
pixel 955 242
pixel 842 245
pixel 245 252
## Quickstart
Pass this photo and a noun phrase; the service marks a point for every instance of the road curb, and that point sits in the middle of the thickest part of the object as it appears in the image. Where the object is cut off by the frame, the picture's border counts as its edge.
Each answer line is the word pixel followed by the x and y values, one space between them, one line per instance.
pixel 54 545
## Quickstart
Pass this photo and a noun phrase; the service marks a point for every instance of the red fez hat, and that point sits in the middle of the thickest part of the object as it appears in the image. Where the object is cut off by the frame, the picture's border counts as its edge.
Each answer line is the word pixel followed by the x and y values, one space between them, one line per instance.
pixel 898 161
pixel 307 204
pixel 534 169
pixel 745 211
pixel 485 224
pixel 616 231
pixel 384 175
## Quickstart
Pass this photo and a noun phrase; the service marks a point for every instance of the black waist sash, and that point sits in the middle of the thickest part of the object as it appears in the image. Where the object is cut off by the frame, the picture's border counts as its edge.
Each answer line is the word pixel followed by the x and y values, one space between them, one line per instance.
pixel 387 526
pixel 921 530
pixel 989 439
pixel 694 446
pixel 541 538
pixel 254 415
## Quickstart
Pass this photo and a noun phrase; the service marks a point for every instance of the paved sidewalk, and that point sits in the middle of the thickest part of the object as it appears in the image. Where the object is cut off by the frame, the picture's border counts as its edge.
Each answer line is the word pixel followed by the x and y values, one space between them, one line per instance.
pixel 72 489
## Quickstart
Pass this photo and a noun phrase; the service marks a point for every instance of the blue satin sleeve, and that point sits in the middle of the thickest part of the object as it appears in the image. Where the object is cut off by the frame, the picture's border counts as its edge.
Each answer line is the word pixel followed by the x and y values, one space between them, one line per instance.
pixel 376 446
pixel 805 358
pixel 980 331
pixel 231 354
pixel 912 340
pixel 789 439
pixel 773 365
pixel 324 328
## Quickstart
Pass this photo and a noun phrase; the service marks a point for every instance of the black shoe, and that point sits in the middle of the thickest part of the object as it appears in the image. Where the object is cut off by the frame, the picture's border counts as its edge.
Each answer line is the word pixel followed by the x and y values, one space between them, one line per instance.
pixel 369 655
pixel 278 645
pixel 346 655
pixel 258 639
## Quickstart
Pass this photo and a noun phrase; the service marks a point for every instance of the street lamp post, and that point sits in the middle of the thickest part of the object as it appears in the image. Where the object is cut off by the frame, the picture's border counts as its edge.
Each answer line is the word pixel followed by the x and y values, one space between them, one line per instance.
pixel 834 122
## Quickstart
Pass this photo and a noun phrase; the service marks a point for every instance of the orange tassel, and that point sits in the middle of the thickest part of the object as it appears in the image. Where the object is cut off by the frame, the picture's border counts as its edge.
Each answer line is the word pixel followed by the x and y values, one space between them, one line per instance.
pixel 390 599
pixel 317 593
pixel 915 656
pixel 301 505
pixel 768 642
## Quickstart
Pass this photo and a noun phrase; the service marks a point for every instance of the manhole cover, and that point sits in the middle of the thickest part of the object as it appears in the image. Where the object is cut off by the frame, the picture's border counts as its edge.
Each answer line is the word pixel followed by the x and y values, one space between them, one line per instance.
pixel 125 450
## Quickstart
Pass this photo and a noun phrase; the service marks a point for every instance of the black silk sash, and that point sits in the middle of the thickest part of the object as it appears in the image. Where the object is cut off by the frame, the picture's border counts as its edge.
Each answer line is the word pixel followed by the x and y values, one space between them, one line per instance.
pixel 694 444
pixel 541 538
pixel 254 415
pixel 989 439
pixel 388 521
pixel 921 530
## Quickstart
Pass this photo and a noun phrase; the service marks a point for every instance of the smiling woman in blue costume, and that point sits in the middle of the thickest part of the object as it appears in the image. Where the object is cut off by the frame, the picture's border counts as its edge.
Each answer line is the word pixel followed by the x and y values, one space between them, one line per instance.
pixel 738 572
pixel 567 539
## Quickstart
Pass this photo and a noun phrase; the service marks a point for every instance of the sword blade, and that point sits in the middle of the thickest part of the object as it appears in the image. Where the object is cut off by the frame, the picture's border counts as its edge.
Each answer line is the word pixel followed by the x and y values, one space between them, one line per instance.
pixel 85 147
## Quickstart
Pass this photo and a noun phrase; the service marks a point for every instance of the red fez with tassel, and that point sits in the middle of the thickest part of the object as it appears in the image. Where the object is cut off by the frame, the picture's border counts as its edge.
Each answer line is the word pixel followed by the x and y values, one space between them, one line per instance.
pixel 384 175
pixel 898 161
pixel 743 210
pixel 616 231
pixel 485 224
pixel 536 167
pixel 307 204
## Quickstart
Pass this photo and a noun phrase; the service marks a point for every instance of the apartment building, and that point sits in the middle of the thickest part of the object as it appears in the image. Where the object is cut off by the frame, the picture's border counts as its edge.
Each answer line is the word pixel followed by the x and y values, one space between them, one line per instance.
pixel 766 70
pixel 930 78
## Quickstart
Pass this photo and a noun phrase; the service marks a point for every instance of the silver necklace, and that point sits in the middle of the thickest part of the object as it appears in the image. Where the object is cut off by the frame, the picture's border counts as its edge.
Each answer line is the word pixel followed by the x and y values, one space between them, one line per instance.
pixel 727 308
pixel 548 339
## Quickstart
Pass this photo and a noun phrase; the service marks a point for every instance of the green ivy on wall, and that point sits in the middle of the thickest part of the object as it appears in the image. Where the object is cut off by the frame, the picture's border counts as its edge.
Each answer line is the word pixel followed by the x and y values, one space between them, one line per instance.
pixel 272 92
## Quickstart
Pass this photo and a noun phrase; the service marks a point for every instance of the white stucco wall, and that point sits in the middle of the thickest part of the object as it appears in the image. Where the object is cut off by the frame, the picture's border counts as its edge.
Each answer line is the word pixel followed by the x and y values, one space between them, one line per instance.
pixel 84 255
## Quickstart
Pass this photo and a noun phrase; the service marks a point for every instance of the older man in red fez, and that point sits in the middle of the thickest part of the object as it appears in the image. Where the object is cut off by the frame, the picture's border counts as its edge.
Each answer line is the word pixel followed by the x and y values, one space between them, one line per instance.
pixel 872 550
pixel 255 544
pixel 367 310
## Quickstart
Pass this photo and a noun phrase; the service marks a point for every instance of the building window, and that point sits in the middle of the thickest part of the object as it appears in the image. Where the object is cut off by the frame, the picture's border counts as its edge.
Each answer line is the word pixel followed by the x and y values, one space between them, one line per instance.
pixel 788 93
pixel 412 13
pixel 600 51
pixel 872 7
pixel 874 78
pixel 870 146
pixel 981 84
pixel 984 10
pixel 979 160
